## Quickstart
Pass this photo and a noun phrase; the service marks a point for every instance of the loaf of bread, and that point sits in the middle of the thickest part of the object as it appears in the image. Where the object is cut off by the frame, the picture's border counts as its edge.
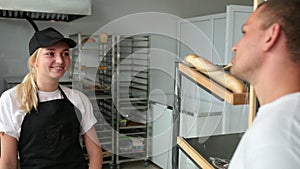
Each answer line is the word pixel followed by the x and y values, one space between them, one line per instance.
pixel 92 40
pixel 213 72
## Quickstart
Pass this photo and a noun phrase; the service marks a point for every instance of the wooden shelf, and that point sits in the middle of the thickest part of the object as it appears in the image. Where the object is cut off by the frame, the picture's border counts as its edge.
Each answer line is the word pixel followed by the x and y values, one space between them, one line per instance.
pixel 201 150
pixel 213 87
pixel 193 154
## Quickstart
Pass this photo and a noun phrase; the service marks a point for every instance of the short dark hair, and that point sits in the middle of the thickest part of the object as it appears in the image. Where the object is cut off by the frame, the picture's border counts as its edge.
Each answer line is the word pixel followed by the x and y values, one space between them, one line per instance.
pixel 287 14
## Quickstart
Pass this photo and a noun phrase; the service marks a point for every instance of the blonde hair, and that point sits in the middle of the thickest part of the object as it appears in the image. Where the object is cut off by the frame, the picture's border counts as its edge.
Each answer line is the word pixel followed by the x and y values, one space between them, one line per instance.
pixel 27 90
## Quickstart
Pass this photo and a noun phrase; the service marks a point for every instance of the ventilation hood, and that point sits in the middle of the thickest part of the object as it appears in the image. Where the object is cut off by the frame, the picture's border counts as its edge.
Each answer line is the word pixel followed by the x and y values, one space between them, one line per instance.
pixel 46 10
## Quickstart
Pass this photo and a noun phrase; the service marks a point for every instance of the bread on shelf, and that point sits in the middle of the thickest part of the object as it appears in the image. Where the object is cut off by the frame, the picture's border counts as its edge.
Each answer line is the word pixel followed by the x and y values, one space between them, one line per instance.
pixel 215 73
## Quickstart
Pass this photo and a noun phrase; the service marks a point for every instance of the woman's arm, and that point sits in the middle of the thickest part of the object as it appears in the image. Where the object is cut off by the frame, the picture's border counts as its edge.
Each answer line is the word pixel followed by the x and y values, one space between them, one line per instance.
pixel 9 152
pixel 93 148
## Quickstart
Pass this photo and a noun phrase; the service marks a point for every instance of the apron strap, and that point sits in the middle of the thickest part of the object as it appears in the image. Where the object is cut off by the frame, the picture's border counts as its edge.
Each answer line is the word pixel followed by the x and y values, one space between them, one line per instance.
pixel 62 92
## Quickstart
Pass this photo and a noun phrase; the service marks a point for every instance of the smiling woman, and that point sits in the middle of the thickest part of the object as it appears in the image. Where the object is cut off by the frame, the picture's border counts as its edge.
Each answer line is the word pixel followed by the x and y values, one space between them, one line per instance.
pixel 51 63
pixel 43 121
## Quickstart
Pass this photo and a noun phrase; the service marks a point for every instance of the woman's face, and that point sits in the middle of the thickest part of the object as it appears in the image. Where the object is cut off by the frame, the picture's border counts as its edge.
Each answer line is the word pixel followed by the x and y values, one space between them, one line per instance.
pixel 52 62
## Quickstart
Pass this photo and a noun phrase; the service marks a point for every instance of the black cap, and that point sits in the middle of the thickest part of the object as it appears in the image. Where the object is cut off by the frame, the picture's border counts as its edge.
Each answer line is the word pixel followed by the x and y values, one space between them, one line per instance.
pixel 47 37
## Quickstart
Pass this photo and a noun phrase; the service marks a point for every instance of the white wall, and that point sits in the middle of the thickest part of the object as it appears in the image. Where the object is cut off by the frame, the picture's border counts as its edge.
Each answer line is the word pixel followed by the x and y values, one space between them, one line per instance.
pixel 16 33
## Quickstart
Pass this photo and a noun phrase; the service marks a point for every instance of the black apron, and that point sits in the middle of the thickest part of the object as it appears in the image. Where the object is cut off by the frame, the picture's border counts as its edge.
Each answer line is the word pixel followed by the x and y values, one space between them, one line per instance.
pixel 49 137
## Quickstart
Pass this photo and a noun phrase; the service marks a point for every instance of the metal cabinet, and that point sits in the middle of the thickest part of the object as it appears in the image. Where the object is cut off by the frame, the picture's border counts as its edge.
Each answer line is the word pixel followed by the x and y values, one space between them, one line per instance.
pixel 211 113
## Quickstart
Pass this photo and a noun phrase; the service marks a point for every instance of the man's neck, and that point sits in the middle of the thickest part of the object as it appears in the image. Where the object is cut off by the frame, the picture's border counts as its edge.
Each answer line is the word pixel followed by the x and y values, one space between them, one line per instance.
pixel 273 85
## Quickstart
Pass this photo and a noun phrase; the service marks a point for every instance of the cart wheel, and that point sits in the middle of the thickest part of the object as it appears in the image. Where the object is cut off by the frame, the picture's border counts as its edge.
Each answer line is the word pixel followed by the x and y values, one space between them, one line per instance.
pixel 118 166
pixel 111 166
pixel 146 164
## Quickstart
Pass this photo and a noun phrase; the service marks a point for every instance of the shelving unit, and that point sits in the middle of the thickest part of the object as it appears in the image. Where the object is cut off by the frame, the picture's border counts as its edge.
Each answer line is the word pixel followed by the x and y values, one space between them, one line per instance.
pixel 86 70
pixel 212 37
pixel 119 85
pixel 215 88
pixel 185 72
pixel 130 60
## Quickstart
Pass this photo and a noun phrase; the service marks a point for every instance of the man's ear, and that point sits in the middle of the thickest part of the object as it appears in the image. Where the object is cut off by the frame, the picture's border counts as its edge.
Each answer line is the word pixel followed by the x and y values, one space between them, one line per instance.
pixel 272 35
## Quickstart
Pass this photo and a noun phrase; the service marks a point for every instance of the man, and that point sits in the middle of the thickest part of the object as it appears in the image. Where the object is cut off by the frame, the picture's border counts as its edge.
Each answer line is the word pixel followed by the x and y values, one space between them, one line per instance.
pixel 268 57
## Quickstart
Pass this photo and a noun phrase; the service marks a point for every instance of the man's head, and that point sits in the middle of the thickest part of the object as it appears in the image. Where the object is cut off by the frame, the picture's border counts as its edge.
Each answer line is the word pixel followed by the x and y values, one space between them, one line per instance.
pixel 273 29
pixel 287 14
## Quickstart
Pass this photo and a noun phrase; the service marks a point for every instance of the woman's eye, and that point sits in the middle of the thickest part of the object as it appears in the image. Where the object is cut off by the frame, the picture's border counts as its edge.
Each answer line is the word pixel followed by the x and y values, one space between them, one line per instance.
pixel 66 54
pixel 50 54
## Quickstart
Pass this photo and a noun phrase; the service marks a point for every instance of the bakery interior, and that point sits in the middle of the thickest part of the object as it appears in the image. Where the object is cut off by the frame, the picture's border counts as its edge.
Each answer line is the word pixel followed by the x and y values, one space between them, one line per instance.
pixel 154 108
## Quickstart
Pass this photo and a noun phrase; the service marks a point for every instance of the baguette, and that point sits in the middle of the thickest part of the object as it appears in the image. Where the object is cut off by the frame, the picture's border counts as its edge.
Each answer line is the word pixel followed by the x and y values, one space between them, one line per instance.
pixel 213 72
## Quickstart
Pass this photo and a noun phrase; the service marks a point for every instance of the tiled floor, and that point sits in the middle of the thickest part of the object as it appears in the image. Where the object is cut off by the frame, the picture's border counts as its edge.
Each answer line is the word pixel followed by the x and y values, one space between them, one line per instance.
pixel 133 165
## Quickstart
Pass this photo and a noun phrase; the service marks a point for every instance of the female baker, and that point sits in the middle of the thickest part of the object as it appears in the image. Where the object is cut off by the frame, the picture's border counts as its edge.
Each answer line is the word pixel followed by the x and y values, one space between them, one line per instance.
pixel 41 121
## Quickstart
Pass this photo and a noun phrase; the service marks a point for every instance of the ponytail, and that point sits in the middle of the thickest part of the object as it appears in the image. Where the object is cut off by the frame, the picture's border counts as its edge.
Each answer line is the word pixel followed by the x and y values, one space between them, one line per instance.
pixel 27 90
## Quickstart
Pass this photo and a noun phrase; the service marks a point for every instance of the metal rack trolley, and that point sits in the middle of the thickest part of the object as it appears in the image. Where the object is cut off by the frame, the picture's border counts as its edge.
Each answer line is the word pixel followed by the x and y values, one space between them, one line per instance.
pixel 85 78
pixel 121 89
pixel 130 57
